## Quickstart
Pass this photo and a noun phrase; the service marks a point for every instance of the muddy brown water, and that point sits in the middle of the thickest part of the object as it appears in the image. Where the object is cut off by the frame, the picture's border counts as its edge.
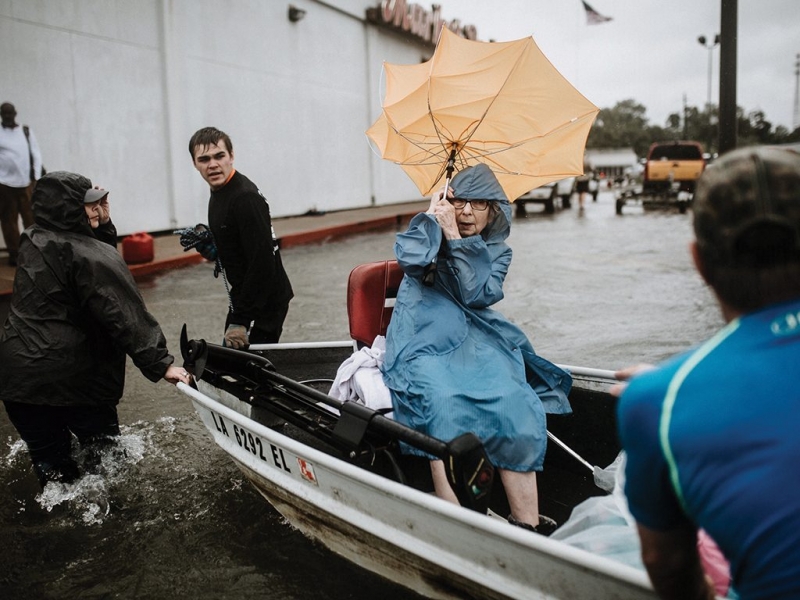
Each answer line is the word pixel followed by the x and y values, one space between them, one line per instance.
pixel 171 517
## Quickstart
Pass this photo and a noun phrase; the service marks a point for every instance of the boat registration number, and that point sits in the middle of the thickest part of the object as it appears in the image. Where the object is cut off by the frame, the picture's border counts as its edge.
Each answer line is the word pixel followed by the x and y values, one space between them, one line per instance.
pixel 267 452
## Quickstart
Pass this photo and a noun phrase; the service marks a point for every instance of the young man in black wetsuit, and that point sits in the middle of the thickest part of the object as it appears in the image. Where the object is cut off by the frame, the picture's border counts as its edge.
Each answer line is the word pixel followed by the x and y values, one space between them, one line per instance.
pixel 239 219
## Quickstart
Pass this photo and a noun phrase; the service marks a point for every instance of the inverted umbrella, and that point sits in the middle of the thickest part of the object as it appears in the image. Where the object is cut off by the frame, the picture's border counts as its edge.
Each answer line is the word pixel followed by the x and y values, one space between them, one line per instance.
pixel 499 103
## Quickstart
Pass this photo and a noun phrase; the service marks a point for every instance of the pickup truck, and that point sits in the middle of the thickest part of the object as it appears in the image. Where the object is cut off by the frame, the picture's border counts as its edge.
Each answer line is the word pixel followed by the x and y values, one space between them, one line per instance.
pixel 672 165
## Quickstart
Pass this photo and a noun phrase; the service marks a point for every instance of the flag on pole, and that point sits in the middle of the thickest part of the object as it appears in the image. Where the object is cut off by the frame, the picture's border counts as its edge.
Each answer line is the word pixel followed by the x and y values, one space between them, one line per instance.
pixel 592 16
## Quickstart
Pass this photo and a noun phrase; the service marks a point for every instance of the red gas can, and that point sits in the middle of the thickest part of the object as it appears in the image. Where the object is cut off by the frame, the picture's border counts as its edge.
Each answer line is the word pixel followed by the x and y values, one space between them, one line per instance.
pixel 138 248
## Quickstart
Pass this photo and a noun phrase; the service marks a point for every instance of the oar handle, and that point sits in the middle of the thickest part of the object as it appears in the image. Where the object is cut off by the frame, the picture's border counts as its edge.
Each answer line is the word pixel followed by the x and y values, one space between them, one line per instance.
pixel 571 452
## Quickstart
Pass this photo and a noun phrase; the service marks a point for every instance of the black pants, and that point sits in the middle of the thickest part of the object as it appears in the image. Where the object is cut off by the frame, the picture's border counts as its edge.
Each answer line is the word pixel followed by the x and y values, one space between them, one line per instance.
pixel 13 203
pixel 47 431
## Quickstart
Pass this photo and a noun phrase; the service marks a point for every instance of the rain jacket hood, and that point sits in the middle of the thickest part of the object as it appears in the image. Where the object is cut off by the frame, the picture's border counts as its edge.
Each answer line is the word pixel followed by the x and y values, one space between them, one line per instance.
pixel 76 311
pixel 479 183
pixel 58 202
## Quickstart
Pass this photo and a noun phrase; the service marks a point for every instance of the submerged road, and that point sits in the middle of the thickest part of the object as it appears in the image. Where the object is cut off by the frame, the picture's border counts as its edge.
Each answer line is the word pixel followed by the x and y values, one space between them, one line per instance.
pixel 592 289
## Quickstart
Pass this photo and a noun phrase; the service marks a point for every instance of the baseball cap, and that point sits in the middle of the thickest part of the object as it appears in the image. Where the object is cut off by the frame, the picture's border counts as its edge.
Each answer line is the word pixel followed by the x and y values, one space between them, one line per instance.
pixel 93 195
pixel 747 208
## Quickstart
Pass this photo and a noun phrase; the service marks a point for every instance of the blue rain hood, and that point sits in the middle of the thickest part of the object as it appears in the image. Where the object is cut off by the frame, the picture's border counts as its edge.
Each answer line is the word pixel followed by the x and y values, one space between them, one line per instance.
pixel 479 183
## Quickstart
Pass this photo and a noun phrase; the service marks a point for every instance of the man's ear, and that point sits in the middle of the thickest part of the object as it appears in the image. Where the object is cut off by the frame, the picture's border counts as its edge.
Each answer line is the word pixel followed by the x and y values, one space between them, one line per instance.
pixel 698 260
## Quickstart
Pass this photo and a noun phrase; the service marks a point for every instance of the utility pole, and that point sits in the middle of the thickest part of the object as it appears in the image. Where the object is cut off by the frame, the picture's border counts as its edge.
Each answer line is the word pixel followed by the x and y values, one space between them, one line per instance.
pixel 727 75
pixel 796 115
pixel 685 124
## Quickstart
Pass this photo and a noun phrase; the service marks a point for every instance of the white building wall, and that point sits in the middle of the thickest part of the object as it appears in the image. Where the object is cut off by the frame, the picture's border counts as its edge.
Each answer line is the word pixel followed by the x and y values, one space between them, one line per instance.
pixel 612 161
pixel 114 89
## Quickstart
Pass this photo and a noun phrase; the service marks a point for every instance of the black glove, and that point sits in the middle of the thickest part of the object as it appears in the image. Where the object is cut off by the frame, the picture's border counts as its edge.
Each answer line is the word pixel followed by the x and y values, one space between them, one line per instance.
pixel 200 238
pixel 208 250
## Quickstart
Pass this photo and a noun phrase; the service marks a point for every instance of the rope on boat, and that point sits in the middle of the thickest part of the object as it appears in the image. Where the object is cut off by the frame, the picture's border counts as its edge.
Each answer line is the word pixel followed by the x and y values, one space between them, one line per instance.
pixel 201 239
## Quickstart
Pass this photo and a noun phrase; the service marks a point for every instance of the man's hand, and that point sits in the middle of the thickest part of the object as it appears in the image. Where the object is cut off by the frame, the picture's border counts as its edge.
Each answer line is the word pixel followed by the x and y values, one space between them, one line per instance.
pixel 623 375
pixel 105 211
pixel 207 250
pixel 674 565
pixel 236 337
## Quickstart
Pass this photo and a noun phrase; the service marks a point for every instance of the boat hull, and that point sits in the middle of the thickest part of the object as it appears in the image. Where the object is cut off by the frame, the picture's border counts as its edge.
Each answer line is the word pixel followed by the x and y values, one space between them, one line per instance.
pixel 406 535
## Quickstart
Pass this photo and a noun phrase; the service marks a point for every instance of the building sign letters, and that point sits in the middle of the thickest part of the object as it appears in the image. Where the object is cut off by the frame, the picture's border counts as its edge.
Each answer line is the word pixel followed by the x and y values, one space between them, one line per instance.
pixel 413 19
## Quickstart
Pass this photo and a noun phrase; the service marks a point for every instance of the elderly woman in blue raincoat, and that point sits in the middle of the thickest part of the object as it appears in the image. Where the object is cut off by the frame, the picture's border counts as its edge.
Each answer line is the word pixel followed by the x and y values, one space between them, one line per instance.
pixel 454 365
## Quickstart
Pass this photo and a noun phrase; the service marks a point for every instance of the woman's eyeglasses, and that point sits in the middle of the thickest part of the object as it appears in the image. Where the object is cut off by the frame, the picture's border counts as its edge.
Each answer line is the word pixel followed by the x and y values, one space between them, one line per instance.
pixel 459 203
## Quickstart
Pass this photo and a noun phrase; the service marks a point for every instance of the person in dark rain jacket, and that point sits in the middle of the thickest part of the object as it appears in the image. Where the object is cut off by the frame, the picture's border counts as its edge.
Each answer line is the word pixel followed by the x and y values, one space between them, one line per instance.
pixel 247 247
pixel 75 314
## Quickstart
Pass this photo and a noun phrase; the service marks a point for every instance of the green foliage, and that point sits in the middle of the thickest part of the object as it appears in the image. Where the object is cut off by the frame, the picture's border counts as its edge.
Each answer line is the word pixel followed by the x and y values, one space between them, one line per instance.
pixel 626 126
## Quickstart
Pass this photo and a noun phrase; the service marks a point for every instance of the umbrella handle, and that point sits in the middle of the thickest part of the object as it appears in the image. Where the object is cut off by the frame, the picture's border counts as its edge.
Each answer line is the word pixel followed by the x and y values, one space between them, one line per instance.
pixel 451 165
pixel 429 275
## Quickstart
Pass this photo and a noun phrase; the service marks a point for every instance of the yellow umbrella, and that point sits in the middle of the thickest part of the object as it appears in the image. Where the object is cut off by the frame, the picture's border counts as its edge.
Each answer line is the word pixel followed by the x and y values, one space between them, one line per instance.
pixel 499 103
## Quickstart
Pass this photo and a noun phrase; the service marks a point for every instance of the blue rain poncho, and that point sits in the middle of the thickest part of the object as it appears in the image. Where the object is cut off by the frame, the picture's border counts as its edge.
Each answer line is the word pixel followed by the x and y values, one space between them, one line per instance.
pixel 453 364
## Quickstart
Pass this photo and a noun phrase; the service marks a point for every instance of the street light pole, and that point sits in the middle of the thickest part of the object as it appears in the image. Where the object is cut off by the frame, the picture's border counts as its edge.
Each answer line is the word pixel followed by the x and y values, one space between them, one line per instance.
pixel 709 45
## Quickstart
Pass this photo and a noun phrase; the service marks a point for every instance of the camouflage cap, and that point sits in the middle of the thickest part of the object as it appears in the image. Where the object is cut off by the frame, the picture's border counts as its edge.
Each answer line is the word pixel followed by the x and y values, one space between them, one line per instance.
pixel 747 208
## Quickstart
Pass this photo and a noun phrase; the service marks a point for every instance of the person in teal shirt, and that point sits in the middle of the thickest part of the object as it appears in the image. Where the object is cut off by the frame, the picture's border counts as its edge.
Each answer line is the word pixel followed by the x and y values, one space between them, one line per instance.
pixel 711 435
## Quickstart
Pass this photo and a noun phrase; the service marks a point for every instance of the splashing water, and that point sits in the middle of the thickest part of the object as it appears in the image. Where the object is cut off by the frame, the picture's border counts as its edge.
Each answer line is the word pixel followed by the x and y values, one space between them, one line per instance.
pixel 16 449
pixel 87 498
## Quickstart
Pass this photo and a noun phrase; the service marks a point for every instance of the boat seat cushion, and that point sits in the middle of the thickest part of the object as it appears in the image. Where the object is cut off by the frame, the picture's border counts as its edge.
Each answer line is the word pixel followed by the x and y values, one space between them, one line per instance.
pixel 371 293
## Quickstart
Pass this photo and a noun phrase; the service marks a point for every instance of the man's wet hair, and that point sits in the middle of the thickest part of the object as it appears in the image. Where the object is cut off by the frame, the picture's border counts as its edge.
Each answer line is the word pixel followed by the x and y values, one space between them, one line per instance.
pixel 747 225
pixel 208 136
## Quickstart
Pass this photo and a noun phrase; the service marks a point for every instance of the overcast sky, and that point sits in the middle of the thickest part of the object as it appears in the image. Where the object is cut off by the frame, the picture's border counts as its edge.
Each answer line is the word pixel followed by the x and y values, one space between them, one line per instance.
pixel 649 50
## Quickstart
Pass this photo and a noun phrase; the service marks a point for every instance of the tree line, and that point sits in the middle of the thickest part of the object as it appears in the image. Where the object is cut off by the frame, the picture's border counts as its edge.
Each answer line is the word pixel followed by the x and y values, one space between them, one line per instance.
pixel 626 126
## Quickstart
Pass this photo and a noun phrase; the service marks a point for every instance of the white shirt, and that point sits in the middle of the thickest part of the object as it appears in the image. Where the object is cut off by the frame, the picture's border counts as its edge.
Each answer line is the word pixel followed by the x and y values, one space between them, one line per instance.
pixel 15 158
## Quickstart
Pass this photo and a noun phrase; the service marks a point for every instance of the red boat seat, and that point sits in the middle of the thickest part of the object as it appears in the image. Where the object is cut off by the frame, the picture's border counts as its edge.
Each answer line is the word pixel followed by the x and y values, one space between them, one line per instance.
pixel 371 291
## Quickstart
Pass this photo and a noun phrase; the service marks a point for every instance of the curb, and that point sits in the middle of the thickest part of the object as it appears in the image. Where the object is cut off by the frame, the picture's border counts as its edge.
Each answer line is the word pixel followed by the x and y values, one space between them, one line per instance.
pixel 290 240
pixel 337 231
pixel 156 266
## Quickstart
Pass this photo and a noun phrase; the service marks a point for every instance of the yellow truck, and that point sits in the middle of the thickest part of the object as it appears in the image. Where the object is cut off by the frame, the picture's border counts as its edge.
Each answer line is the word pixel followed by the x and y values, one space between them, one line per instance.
pixel 673 167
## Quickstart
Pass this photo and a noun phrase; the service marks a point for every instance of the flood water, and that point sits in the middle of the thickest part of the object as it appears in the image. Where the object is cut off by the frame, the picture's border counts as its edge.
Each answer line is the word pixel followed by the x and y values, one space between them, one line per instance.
pixel 169 516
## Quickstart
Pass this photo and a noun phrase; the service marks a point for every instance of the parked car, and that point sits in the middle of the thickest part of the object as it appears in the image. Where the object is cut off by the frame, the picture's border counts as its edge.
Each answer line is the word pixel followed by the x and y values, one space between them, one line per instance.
pixel 549 194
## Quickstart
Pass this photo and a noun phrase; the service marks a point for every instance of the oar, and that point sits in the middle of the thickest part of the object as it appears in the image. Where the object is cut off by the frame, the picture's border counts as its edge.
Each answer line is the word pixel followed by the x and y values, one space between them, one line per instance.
pixel 602 478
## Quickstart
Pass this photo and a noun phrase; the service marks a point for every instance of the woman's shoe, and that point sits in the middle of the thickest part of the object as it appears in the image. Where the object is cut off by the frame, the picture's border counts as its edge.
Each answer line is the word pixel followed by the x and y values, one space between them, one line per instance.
pixel 545 527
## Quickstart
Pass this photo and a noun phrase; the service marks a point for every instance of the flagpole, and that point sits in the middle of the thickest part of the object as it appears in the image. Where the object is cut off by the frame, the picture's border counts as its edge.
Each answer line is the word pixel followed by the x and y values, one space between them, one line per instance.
pixel 580 26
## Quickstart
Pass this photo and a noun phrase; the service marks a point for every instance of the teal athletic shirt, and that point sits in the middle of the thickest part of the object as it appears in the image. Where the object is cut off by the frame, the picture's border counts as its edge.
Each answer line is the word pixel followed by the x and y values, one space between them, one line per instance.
pixel 713 438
